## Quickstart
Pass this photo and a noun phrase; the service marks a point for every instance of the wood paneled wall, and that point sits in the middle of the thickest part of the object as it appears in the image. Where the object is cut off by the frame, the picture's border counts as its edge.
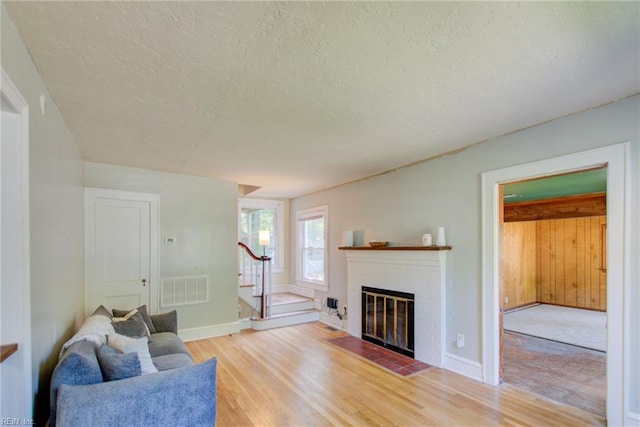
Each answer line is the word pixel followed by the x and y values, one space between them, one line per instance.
pixel 519 263
pixel 558 261
pixel 571 262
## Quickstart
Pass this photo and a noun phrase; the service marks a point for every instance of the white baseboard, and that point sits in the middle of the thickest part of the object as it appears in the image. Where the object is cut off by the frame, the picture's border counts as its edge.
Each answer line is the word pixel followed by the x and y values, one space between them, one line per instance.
pixel 244 324
pixel 210 331
pixel 463 366
pixel 333 321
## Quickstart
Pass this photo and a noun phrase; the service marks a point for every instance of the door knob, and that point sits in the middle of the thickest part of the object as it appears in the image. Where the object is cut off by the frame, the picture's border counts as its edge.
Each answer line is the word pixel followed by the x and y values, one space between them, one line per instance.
pixel 144 282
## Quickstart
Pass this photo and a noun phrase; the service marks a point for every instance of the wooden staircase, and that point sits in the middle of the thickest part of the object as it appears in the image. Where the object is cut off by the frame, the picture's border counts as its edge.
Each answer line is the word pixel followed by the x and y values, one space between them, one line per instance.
pixel 287 309
pixel 261 309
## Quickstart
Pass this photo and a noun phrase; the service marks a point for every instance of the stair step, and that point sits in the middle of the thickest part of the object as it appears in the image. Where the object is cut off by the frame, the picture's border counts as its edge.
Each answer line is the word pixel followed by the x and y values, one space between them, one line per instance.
pixel 287 298
pixel 286 302
pixel 286 319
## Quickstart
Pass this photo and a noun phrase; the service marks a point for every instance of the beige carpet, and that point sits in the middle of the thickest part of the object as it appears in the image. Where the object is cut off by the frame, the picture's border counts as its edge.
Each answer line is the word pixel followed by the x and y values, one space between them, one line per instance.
pixel 584 328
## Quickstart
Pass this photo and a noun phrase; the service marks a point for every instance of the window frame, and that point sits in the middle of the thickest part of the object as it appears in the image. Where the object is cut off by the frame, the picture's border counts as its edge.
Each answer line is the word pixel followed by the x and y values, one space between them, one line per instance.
pixel 302 216
pixel 277 237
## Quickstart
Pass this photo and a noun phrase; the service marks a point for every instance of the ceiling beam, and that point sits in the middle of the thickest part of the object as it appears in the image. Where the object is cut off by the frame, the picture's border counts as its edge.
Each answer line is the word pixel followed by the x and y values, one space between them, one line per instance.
pixel 557 208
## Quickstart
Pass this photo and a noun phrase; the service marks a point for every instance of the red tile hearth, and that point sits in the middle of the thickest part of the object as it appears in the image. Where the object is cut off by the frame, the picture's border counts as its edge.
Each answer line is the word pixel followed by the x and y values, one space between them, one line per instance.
pixel 395 362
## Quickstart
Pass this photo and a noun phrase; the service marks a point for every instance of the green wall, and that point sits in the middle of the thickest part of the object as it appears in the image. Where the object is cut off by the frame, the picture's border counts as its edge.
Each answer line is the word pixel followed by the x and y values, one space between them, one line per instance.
pixel 56 209
pixel 445 191
pixel 201 214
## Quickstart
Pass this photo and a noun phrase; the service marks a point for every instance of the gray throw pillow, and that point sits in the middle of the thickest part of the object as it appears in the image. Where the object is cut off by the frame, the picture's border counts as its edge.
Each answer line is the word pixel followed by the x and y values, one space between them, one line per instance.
pixel 166 322
pixel 116 365
pixel 134 326
pixel 143 312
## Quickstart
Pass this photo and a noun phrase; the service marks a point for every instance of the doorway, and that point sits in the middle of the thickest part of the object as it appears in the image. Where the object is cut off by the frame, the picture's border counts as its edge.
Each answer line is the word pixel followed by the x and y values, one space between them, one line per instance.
pixel 616 158
pixel 553 287
pixel 16 400
pixel 121 267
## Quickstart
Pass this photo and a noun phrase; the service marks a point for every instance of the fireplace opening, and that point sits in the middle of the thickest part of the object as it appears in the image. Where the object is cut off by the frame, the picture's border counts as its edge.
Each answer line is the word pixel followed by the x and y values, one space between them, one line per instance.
pixel 387 319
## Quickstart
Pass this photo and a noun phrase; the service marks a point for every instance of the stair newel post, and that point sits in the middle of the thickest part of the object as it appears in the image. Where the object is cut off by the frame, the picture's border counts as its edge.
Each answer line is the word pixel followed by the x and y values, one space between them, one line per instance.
pixel 267 284
pixel 260 276
pixel 264 294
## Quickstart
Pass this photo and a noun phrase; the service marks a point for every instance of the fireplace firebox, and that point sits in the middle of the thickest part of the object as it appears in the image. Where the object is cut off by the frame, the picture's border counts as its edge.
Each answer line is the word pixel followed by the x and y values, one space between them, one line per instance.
pixel 387 319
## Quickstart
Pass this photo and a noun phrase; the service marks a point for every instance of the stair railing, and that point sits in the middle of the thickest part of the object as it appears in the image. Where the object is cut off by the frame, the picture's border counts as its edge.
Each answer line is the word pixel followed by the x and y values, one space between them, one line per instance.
pixel 256 270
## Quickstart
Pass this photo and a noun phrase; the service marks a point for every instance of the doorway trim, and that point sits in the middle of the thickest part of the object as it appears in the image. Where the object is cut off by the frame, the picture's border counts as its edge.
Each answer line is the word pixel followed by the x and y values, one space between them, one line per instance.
pixel 90 196
pixel 16 101
pixel 618 261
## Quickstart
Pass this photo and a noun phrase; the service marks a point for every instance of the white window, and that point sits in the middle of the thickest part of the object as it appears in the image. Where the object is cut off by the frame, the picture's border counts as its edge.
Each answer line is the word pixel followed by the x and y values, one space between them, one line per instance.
pixel 311 254
pixel 255 215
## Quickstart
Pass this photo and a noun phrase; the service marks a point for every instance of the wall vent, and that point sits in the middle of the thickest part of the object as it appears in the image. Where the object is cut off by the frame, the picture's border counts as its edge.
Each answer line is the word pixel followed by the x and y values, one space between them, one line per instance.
pixel 184 290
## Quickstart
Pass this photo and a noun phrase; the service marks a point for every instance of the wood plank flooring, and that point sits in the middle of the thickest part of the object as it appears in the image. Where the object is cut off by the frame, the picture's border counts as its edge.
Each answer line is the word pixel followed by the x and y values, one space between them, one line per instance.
pixel 293 377
pixel 564 373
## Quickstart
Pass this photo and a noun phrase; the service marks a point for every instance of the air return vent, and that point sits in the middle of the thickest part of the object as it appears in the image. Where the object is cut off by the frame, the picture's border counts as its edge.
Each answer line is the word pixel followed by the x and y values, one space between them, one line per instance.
pixel 184 290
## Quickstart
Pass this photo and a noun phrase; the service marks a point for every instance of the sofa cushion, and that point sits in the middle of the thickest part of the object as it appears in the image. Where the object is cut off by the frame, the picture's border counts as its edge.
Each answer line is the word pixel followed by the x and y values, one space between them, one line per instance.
pixel 78 365
pixel 166 343
pixel 116 365
pixel 172 361
pixel 130 325
pixel 166 322
pixel 184 396
pixel 143 312
pixel 134 345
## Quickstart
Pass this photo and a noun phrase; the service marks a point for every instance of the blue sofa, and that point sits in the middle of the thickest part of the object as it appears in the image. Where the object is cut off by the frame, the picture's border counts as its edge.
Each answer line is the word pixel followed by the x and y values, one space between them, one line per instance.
pixel 181 393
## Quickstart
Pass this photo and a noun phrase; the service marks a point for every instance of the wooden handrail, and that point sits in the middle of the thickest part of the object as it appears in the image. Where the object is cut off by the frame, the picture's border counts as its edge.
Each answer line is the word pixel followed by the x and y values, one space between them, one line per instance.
pixel 7 350
pixel 263 259
pixel 252 255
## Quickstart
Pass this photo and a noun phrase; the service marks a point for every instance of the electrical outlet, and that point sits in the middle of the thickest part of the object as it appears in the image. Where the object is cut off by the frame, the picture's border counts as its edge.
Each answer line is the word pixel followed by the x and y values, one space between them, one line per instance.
pixel 460 341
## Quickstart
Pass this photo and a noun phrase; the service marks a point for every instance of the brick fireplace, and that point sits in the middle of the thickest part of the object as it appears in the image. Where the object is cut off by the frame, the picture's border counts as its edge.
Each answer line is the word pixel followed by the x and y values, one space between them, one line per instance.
pixel 420 271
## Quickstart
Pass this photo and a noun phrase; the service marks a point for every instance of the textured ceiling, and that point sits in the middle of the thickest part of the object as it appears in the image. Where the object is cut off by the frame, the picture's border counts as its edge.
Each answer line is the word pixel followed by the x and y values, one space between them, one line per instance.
pixel 295 97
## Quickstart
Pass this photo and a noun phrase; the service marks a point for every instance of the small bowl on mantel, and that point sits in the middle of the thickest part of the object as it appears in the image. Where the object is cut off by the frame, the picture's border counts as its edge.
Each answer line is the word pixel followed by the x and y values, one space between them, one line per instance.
pixel 378 243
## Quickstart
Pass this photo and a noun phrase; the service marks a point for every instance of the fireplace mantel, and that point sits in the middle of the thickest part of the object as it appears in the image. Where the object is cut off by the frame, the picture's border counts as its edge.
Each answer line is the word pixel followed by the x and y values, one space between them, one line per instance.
pixel 419 270
pixel 394 248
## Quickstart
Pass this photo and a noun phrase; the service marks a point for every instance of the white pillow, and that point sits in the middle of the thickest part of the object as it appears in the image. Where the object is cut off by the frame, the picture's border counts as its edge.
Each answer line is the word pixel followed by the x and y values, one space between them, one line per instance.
pixel 94 329
pixel 134 345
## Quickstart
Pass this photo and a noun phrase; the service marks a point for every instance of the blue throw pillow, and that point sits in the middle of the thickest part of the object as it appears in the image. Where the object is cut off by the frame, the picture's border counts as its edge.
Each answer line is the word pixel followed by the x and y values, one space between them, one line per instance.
pixel 116 365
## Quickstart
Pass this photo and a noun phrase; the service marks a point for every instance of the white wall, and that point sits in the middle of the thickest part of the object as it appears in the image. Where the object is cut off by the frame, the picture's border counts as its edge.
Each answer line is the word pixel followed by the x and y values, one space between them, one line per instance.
pixel 402 205
pixel 56 206
pixel 14 327
pixel 201 214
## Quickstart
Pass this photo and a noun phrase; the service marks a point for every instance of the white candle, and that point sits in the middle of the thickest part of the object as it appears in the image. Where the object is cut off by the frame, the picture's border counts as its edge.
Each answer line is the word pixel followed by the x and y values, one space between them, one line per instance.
pixel 347 238
pixel 441 240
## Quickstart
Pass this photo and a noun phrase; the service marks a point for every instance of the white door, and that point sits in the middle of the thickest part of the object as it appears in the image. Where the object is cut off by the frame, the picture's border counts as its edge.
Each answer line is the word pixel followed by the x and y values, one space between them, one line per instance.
pixel 119 249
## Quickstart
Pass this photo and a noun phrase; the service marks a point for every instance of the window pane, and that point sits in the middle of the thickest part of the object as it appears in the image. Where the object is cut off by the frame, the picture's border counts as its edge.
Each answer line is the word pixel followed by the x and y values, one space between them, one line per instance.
pixel 313 249
pixel 311 256
pixel 254 220
pixel 313 263
pixel 314 233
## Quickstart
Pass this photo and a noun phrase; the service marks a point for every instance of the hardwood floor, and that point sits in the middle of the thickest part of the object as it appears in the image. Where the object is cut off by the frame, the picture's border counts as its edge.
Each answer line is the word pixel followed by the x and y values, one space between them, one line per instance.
pixel 293 377
pixel 564 373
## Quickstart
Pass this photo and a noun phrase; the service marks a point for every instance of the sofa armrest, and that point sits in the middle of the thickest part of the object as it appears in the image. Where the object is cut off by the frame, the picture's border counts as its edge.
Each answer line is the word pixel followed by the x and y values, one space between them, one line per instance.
pixel 177 397
pixel 166 322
